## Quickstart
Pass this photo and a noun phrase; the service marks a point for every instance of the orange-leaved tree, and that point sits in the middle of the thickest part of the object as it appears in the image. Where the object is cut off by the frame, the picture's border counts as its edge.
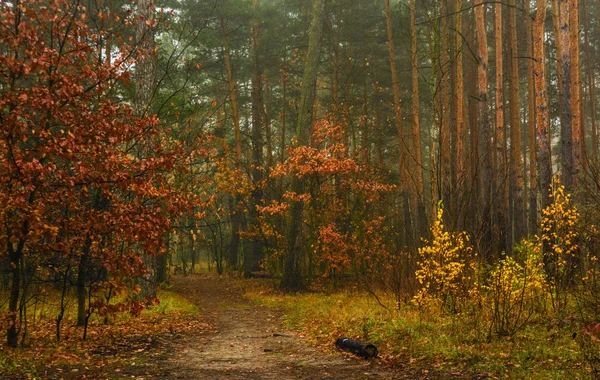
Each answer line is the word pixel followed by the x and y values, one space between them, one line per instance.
pixel 339 210
pixel 79 200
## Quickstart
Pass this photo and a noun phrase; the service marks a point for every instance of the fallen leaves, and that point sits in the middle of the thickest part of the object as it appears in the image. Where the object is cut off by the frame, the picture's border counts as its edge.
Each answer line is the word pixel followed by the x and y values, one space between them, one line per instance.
pixel 122 347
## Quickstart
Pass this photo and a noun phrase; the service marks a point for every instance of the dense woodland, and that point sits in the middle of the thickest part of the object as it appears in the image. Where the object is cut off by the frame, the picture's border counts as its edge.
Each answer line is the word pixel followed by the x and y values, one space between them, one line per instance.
pixel 442 151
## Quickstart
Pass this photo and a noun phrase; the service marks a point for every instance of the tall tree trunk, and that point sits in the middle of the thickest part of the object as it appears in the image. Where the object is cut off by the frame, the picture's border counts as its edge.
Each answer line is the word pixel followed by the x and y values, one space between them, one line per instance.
pixel 591 85
pixel 473 128
pixel 541 105
pixel 417 155
pixel 576 124
pixel 364 136
pixel 501 199
pixel 267 120
pixel 516 202
pixel 234 206
pixel 292 279
pixel 445 133
pixel 145 73
pixel 399 126
pixel 252 258
pixel 461 154
pixel 565 114
pixel 484 157
pixel 533 209
pixel 283 114
pixel 146 66
pixel 558 45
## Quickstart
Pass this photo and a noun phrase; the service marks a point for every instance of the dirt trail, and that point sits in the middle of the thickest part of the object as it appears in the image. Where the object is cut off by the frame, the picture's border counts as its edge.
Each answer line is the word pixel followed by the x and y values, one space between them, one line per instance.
pixel 249 342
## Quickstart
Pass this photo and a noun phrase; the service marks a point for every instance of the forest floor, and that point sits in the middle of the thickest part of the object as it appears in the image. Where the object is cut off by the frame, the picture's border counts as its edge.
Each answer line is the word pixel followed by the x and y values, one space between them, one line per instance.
pixel 229 337
pixel 248 341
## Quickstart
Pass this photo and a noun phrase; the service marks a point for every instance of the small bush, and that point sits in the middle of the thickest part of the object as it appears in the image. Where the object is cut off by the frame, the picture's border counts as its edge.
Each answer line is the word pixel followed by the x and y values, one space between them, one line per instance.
pixel 515 291
pixel 445 270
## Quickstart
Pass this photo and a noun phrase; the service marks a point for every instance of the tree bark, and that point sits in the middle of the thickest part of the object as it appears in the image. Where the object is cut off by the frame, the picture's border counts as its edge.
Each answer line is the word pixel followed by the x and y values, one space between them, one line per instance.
pixel 541 105
pixel 533 208
pixel 484 157
pixel 591 85
pixel 252 258
pixel 501 199
pixel 516 202
pixel 234 207
pixel 576 124
pixel 292 279
pixel 445 140
pixel 558 46
pixel 145 72
pixel 460 125
pixel 15 255
pixel 565 114
pixel 418 164
pixel 402 144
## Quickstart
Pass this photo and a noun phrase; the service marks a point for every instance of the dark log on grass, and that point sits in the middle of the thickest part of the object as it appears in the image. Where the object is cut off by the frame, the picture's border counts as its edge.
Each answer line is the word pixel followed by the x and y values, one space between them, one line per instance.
pixel 366 350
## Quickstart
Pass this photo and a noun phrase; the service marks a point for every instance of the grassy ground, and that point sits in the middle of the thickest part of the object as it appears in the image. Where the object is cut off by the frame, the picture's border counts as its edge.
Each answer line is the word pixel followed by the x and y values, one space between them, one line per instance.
pixel 127 346
pixel 431 341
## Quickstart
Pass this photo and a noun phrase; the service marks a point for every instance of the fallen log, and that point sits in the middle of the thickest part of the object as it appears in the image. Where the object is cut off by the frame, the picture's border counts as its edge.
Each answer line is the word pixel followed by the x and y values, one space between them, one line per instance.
pixel 366 350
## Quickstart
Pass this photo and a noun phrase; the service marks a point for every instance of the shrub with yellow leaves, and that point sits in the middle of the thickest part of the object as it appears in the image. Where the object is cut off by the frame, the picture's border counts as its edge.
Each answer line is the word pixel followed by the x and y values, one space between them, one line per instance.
pixel 515 291
pixel 559 238
pixel 444 269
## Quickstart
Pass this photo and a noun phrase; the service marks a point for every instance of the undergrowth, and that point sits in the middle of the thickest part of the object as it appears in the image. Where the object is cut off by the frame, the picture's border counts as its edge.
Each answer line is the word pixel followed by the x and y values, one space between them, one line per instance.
pixel 123 342
pixel 431 340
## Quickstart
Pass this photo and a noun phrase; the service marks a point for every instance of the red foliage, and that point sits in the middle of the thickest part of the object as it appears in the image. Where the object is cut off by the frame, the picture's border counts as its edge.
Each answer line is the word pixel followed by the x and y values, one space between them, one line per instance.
pixel 343 230
pixel 80 173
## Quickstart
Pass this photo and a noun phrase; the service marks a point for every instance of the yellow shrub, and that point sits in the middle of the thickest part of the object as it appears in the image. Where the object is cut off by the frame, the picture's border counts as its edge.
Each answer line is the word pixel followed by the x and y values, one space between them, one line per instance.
pixel 559 238
pixel 443 268
pixel 515 290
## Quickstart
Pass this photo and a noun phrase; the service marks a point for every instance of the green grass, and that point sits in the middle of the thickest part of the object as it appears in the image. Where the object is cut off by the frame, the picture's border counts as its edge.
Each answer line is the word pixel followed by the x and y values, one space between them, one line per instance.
pixel 170 303
pixel 431 341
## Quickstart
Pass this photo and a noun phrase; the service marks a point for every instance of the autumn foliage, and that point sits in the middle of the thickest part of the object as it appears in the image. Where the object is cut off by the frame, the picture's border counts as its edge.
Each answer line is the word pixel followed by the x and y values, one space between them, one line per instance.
pixel 86 186
pixel 343 229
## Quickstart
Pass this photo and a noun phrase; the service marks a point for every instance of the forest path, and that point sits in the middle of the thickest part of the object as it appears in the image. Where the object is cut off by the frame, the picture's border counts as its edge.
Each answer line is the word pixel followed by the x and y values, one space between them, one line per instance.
pixel 250 342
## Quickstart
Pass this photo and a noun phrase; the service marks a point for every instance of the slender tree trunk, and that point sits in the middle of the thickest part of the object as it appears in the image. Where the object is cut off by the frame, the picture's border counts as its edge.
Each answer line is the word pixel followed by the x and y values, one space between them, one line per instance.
pixel 558 45
pixel 252 258
pixel 146 65
pixel 235 209
pixel 283 115
pixel 15 254
pixel 418 167
pixel 445 133
pixel 83 274
pixel 565 114
pixel 516 204
pixel 232 91
pixel 402 144
pixel 533 208
pixel 365 139
pixel 460 125
pixel 591 85
pixel 576 124
pixel 484 158
pixel 501 199
pixel 473 161
pixel 292 279
pixel 145 73
pixel 267 121
pixel 541 105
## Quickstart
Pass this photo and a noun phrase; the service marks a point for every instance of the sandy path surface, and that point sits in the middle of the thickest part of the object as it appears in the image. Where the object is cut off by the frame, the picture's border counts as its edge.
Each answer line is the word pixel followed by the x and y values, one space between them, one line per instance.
pixel 250 342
